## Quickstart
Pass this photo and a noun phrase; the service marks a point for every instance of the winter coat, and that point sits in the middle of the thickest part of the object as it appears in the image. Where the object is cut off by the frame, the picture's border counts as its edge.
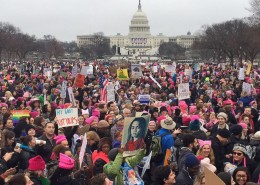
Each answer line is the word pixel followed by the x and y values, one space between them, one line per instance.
pixel 65 180
pixel 183 178
pixel 183 151
pixel 45 150
pixel 256 144
pixel 167 140
pixel 200 135
pixel 26 154
pixel 113 168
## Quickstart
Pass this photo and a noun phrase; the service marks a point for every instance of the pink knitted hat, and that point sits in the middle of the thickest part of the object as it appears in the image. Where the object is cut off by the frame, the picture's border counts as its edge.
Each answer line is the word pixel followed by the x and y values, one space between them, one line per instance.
pixel 34 114
pixel 59 139
pixel 66 162
pixel 36 164
pixel 96 113
pixel 194 117
pixel 244 125
pixel 193 109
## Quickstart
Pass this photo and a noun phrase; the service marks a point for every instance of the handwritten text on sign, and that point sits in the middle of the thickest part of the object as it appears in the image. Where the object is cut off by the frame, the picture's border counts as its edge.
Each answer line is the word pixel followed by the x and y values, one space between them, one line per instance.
pixel 67 117
pixel 183 91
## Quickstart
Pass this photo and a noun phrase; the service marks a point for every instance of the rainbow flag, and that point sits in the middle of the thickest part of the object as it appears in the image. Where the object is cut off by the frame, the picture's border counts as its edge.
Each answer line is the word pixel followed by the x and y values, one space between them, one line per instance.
pixel 17 114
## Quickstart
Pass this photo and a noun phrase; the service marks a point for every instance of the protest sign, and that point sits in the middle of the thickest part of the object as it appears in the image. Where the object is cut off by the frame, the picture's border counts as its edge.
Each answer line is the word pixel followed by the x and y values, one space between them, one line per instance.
pixel 71 96
pixel 211 178
pixel 79 81
pixel 248 69
pixel 83 150
pixel 136 71
pixel 122 74
pixel 63 89
pixel 247 88
pixel 63 74
pixel 86 70
pixel 167 157
pixel 155 81
pixel 144 99
pixel 183 91
pixel 67 117
pixel 188 72
pixel 17 114
pixel 45 99
pixel 110 93
pixel 170 69
pixel 241 75
pixel 146 160
pixel 74 71
pixel 45 71
pixel 134 132
pixel 49 74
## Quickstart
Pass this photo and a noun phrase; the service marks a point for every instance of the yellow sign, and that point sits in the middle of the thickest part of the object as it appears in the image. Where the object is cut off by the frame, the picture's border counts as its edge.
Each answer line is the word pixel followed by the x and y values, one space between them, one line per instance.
pixel 249 66
pixel 122 74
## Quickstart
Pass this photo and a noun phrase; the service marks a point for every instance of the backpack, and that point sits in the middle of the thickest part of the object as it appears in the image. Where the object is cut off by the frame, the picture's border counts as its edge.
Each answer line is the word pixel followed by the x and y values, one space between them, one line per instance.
pixel 131 176
pixel 156 148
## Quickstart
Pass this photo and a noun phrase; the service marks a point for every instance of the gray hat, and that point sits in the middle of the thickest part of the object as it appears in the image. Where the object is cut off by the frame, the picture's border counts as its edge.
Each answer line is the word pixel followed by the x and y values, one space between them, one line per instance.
pixel 222 114
pixel 168 124
pixel 240 147
pixel 112 154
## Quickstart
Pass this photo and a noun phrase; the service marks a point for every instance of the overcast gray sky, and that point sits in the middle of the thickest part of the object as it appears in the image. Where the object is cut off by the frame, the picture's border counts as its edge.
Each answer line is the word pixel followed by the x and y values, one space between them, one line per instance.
pixel 65 19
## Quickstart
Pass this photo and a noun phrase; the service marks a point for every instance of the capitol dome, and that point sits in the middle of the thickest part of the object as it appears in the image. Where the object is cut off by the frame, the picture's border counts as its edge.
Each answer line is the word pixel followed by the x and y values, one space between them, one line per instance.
pixel 139 23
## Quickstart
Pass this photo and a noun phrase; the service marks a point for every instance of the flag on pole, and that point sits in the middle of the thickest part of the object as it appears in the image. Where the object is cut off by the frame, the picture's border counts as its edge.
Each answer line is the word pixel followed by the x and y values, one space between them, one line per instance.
pixel 102 88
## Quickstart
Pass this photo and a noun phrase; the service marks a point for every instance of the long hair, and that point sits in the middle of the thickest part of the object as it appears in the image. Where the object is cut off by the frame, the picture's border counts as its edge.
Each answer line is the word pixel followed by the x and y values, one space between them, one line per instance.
pixel 140 121
pixel 199 178
pixel 211 155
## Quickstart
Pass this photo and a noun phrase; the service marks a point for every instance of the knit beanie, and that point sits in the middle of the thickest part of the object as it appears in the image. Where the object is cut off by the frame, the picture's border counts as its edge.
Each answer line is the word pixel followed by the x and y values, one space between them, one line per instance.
pixel 29 127
pixel 240 147
pixel 236 129
pixel 191 160
pixel 225 177
pixel 112 154
pixel 66 162
pixel 222 114
pixel 60 138
pixel 36 164
pixel 96 113
pixel 195 125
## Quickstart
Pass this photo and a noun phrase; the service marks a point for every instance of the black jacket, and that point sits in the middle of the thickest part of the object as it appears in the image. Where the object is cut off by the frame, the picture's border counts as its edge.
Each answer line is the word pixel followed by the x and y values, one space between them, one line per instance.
pixel 45 150
pixel 184 178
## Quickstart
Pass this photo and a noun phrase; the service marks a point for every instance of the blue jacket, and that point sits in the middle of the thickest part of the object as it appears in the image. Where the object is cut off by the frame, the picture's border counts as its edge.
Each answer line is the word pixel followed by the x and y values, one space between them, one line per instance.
pixel 246 100
pixel 167 140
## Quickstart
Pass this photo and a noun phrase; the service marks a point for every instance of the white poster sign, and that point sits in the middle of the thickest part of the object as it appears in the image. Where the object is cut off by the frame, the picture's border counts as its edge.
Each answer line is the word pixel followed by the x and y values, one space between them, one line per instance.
pixel 155 81
pixel 67 117
pixel 110 93
pixel 144 99
pixel 136 71
pixel 241 75
pixel 247 88
pixel 155 69
pixel 63 89
pixel 86 70
pixel 83 150
pixel 74 71
pixel 170 69
pixel 71 96
pixel 183 91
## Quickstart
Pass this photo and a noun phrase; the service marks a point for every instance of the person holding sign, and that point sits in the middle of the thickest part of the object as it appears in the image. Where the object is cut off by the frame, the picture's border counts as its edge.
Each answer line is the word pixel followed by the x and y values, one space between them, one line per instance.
pixel 136 134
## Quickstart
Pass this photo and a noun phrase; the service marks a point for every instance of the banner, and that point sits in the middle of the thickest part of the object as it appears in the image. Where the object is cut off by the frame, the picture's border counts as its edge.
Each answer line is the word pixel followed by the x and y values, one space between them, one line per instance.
pixel 247 88
pixel 155 81
pixel 63 74
pixel 248 69
pixel 134 132
pixel 17 114
pixel 71 96
pixel 63 89
pixel 86 70
pixel 144 99
pixel 122 74
pixel 136 71
pixel 67 117
pixel 241 75
pixel 79 81
pixel 110 93
pixel 183 91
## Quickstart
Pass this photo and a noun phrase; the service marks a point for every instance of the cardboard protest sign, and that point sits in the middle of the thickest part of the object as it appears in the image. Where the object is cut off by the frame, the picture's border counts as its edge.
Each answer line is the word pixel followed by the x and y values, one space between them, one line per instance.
pixel 71 96
pixel 248 69
pixel 183 91
pixel 167 157
pixel 134 132
pixel 17 114
pixel 110 93
pixel 247 88
pixel 67 117
pixel 136 71
pixel 241 75
pixel 144 99
pixel 74 71
pixel 79 81
pixel 211 178
pixel 83 150
pixel 155 81
pixel 63 89
pixel 122 74
pixel 86 70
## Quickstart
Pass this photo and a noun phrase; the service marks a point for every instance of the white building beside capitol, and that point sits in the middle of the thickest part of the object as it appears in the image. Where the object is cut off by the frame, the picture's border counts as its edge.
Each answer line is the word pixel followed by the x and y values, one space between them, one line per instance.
pixel 139 41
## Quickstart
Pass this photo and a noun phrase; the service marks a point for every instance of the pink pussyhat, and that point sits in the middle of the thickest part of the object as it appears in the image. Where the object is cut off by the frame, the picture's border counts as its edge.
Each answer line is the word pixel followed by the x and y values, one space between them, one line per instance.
pixel 66 162
pixel 59 139
pixel 194 117
pixel 202 143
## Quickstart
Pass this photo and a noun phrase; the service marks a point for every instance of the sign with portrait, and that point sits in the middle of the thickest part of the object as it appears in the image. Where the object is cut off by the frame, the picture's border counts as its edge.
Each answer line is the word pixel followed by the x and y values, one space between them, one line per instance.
pixel 136 71
pixel 134 132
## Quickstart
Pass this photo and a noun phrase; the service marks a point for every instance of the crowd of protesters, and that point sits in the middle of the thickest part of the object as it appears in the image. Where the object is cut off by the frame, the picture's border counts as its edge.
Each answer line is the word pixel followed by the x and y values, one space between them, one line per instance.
pixel 216 128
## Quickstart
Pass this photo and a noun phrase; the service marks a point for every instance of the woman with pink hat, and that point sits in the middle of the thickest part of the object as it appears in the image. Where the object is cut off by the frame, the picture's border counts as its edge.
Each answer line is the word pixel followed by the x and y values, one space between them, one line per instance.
pixel 205 150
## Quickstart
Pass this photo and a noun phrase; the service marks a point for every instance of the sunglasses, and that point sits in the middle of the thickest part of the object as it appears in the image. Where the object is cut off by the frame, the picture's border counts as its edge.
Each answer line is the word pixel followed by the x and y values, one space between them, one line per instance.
pixel 236 153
